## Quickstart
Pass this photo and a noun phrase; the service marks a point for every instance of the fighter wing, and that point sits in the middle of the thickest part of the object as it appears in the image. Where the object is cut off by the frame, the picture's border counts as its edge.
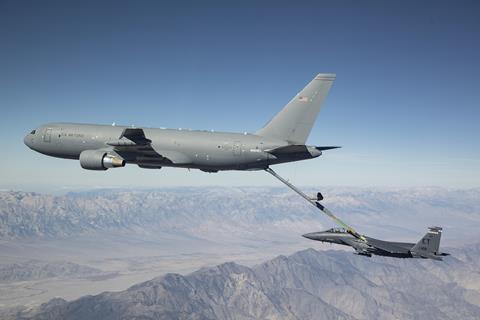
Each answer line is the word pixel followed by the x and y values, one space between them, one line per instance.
pixel 134 146
pixel 360 246
pixel 387 246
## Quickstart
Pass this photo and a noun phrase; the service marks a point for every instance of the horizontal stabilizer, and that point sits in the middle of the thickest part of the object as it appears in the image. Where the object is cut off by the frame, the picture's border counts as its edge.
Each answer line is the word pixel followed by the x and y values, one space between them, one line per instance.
pixel 288 149
pixel 297 148
pixel 431 256
pixel 326 148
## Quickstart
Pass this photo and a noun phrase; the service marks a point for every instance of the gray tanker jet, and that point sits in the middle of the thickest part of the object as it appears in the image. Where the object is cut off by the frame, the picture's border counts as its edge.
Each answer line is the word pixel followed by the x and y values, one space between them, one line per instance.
pixel 427 248
pixel 100 147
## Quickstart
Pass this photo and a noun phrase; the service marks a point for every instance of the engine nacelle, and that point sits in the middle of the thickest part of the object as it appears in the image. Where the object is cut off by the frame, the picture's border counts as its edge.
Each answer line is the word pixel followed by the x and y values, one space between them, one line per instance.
pixel 99 160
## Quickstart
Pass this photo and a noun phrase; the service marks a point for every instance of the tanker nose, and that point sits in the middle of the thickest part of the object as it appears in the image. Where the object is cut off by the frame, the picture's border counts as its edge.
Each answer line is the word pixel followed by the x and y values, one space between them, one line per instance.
pixel 28 140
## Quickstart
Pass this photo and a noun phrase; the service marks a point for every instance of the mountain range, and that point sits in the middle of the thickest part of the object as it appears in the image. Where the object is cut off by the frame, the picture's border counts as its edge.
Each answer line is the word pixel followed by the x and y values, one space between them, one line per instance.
pixel 85 243
pixel 309 284
pixel 36 269
pixel 231 211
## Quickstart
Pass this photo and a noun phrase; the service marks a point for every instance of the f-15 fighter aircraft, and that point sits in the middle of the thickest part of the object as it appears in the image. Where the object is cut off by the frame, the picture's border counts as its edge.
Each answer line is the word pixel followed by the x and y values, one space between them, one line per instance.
pixel 427 248
pixel 100 147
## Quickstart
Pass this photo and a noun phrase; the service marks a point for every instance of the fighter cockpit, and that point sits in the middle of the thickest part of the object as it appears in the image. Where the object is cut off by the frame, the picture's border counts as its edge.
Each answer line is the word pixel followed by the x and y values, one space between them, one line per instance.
pixel 337 230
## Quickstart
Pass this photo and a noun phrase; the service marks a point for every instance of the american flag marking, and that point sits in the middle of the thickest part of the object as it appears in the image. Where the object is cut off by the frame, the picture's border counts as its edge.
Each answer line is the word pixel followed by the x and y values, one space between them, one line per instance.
pixel 303 99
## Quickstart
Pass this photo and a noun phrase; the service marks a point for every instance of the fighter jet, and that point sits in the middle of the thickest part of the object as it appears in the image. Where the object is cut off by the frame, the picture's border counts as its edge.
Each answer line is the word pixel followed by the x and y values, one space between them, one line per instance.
pixel 426 248
pixel 100 147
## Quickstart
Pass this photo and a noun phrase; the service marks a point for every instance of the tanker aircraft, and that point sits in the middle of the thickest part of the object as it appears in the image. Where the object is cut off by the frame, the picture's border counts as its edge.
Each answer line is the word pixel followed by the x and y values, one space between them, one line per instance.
pixel 100 147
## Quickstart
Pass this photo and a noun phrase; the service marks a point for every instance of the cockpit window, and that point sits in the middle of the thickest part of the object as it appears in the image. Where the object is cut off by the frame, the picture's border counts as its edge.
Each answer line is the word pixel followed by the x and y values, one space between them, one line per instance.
pixel 338 230
pixel 33 132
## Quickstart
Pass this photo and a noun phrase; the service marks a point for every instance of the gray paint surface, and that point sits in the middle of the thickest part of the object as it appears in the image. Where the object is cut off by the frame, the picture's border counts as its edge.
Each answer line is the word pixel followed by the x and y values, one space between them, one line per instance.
pixel 105 146
pixel 427 248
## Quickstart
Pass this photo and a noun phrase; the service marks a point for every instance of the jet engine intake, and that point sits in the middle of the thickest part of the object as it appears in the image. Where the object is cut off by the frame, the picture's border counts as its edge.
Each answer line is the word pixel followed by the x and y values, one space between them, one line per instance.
pixel 99 160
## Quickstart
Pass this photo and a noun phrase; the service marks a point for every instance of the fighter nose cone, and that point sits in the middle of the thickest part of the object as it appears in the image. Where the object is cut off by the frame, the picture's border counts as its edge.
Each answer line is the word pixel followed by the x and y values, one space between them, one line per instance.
pixel 310 236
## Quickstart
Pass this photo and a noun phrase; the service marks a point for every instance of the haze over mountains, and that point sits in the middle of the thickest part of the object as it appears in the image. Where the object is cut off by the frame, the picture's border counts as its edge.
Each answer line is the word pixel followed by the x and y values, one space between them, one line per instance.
pixel 85 243
pixel 193 210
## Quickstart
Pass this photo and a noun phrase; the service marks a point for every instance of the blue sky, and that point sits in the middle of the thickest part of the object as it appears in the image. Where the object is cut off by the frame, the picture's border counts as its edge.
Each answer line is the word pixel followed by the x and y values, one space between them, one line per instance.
pixel 405 105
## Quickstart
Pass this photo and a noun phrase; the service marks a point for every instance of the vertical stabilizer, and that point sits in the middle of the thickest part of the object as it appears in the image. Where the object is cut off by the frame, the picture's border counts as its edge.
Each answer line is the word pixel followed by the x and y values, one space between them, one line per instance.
pixel 429 244
pixel 294 123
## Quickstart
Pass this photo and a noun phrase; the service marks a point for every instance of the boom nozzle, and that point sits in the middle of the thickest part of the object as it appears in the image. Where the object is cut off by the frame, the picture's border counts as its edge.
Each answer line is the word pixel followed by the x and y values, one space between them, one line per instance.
pixel 317 204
